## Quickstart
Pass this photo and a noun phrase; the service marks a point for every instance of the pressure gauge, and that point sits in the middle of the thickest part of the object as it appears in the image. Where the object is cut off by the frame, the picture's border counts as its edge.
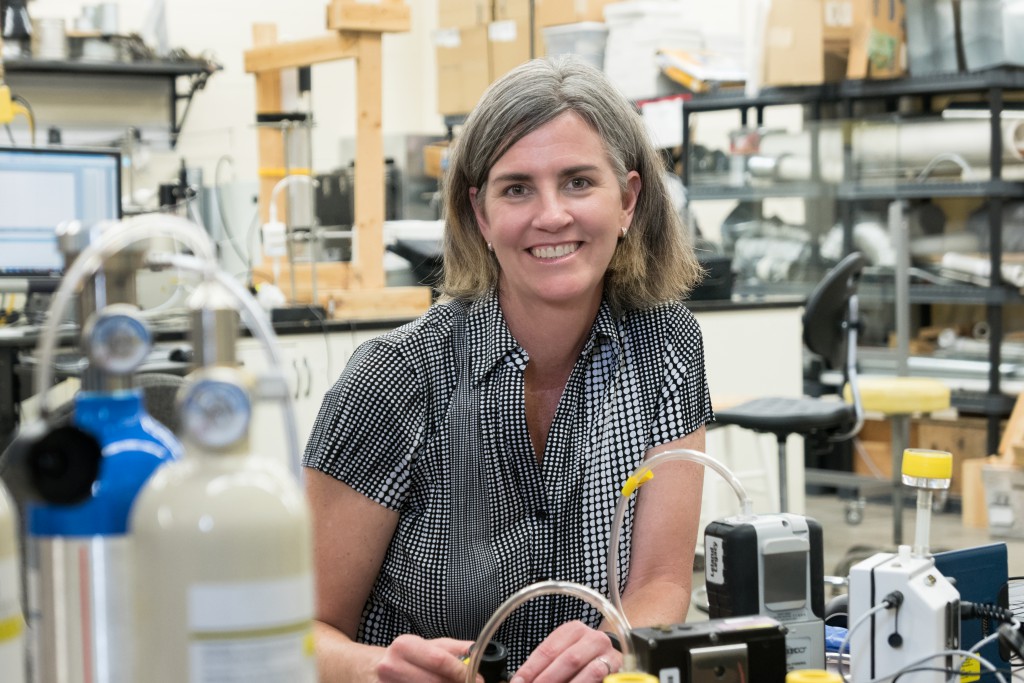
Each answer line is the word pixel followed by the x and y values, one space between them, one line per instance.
pixel 117 340
pixel 215 412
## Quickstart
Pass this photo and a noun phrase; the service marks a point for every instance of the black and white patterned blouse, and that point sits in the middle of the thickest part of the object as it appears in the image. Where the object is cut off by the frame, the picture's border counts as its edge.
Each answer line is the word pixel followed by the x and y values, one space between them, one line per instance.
pixel 429 420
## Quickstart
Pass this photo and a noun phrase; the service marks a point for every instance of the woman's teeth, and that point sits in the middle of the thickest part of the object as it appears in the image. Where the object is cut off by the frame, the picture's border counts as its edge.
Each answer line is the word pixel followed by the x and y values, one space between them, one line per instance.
pixel 554 252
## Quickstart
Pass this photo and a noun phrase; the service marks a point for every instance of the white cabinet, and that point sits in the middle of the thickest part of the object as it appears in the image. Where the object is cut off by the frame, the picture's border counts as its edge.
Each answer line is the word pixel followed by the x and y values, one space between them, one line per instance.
pixel 310 365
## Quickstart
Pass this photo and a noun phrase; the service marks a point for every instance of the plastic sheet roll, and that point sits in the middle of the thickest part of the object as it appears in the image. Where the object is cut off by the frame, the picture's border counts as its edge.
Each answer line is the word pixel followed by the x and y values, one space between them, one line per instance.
pixel 890 148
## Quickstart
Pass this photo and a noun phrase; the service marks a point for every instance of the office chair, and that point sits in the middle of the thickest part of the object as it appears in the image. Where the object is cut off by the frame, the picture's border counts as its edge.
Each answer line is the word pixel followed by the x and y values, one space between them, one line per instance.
pixel 830 330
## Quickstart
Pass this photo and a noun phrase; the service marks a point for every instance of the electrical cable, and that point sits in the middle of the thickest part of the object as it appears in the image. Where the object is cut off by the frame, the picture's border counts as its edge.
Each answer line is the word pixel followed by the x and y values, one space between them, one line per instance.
pixel 25 109
pixel 884 605
pixel 10 134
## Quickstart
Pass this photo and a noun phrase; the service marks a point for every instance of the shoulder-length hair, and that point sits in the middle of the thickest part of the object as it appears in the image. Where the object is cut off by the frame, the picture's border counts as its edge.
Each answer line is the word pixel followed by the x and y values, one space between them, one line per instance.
pixel 653 264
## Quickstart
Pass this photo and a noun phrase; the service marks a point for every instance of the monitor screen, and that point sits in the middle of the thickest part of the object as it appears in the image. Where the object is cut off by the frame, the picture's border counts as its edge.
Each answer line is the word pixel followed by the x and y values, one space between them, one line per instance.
pixel 41 187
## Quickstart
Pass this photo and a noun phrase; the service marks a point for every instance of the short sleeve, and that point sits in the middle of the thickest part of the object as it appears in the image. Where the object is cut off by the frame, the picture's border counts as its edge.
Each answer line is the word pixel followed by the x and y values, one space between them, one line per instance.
pixel 685 404
pixel 370 424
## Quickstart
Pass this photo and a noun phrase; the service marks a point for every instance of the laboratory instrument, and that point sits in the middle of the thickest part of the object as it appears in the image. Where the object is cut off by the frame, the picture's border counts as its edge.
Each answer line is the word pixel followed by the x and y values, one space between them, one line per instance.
pixel 734 650
pixel 901 606
pixel 773 565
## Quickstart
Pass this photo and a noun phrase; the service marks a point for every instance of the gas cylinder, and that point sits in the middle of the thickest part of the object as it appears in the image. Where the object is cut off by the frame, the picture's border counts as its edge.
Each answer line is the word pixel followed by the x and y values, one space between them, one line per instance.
pixel 80 611
pixel 222 542
pixel 12 622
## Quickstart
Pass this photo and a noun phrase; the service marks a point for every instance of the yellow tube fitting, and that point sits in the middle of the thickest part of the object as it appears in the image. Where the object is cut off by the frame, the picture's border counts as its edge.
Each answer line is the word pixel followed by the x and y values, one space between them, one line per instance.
pixel 921 463
pixel 813 676
pixel 630 677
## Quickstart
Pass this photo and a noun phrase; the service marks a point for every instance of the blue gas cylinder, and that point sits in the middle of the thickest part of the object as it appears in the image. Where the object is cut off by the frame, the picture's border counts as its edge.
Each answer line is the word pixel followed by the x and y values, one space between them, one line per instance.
pixel 134 444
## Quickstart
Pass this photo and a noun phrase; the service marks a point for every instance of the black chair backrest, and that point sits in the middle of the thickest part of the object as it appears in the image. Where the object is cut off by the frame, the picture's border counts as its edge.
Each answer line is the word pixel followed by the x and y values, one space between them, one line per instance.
pixel 827 314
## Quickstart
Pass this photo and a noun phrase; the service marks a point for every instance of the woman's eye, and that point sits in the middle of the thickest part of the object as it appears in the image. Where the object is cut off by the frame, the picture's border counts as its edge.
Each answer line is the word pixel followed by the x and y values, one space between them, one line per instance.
pixel 579 183
pixel 515 190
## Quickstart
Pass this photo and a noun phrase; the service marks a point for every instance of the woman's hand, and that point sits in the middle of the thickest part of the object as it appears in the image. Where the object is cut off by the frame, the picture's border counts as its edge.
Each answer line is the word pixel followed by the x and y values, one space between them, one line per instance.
pixel 572 653
pixel 411 658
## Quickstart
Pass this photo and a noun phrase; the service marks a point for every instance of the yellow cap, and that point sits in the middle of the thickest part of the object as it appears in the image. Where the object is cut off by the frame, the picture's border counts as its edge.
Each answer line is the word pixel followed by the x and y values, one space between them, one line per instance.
pixel 925 464
pixel 813 676
pixel 630 677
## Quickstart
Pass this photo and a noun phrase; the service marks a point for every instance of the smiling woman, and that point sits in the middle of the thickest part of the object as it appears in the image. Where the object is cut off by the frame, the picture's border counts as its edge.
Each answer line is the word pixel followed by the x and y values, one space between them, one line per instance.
pixel 480 448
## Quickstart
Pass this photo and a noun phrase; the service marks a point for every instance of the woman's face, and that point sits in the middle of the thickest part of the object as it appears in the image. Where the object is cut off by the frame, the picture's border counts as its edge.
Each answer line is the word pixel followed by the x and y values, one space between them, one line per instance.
pixel 553 211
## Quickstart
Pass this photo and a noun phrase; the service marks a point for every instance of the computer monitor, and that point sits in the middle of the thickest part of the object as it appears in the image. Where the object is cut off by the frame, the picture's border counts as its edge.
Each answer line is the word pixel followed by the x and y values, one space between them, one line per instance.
pixel 41 187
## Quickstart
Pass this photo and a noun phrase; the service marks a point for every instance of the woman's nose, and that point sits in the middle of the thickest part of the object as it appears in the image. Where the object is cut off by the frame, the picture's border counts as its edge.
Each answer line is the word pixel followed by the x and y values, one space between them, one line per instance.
pixel 552 213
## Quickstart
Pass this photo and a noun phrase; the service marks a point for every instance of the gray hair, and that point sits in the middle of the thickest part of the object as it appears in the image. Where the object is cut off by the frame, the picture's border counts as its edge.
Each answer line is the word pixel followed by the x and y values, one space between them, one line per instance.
pixel 653 264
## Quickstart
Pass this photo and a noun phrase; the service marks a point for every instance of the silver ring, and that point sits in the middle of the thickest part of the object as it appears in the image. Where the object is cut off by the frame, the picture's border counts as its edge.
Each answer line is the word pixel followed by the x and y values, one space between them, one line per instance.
pixel 607 665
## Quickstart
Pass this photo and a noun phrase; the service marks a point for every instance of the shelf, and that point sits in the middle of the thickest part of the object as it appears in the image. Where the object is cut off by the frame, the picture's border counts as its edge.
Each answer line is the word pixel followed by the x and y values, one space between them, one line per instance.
pixel 909 190
pixel 198 72
pixel 805 190
pixel 1003 78
pixel 938 294
pixel 768 97
pixel 982 403
pixel 167 68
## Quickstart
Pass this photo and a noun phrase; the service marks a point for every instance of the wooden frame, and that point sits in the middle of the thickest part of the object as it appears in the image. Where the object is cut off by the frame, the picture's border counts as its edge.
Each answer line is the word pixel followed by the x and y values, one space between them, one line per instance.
pixel 346 290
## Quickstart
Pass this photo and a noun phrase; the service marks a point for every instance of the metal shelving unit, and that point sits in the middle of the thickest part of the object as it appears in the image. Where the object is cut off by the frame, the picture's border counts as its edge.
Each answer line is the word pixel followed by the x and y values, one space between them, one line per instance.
pixel 993 84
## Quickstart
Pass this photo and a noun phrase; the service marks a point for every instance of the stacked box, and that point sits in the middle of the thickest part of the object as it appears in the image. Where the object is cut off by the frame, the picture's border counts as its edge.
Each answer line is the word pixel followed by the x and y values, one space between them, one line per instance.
pixel 461 13
pixel 463 68
pixel 556 12
pixel 509 36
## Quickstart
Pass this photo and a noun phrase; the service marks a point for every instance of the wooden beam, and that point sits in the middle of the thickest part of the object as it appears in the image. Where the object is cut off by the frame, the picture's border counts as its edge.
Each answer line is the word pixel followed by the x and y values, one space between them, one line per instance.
pixel 298 53
pixel 368 261
pixel 374 304
pixel 270 152
pixel 346 15
pixel 1014 432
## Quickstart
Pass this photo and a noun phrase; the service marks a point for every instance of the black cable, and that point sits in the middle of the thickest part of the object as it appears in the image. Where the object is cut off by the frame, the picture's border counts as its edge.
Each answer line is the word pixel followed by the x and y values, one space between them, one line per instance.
pixel 980 610
pixel 10 134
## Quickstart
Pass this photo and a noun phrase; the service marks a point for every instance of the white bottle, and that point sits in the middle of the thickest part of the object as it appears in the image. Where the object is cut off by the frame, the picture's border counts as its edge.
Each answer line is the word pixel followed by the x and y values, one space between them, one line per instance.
pixel 12 621
pixel 223 553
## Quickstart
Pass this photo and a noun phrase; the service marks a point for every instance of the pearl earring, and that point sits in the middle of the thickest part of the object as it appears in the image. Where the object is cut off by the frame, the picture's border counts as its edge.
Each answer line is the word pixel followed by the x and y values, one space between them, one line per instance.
pixel 490 247
pixel 624 230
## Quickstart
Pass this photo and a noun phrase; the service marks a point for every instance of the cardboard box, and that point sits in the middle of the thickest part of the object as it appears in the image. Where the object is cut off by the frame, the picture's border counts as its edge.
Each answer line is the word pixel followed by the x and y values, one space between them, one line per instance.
pixel 463 13
pixel 555 12
pixel 1004 500
pixel 509 45
pixel 463 68
pixel 838 25
pixel 794 52
pixel 965 438
pixel 435 159
pixel 878 40
pixel 512 9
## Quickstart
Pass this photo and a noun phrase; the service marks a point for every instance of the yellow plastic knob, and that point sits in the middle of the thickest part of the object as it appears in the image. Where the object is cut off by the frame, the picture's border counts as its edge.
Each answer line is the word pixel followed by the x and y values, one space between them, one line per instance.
pixel 813 676
pixel 630 677
pixel 921 463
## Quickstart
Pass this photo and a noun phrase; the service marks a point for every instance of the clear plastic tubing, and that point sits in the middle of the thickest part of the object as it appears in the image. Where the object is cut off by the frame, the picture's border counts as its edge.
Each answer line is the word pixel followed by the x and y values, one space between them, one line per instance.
pixel 643 474
pixel 256 320
pixel 614 617
pixel 116 238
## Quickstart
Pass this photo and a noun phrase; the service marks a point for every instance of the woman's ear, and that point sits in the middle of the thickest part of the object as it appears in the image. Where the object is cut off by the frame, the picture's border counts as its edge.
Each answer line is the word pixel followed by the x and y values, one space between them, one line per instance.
pixel 478 210
pixel 630 196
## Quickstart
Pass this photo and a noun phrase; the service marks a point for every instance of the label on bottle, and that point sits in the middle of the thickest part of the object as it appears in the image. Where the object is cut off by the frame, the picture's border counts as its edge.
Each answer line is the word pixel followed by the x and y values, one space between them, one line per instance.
pixel 12 623
pixel 252 631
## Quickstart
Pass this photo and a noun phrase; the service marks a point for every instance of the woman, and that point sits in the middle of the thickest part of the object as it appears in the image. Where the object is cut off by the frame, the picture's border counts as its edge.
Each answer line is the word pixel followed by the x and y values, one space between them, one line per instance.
pixel 480 448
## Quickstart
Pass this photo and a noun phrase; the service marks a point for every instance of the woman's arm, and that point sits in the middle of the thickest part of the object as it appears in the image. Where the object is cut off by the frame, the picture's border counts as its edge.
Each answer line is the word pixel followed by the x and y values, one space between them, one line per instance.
pixel 351 534
pixel 665 530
